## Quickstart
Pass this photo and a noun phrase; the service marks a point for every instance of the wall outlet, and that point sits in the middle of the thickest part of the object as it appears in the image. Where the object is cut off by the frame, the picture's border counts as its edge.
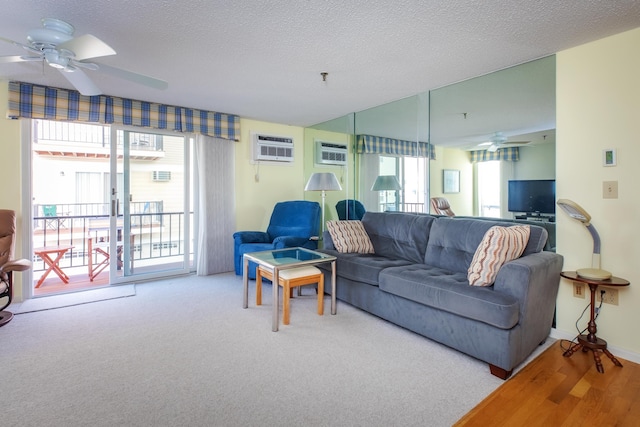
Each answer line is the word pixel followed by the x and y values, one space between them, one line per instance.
pixel 578 290
pixel 610 296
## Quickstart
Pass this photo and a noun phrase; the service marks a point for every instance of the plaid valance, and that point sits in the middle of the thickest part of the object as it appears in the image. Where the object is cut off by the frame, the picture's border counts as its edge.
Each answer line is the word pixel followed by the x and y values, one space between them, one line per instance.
pixel 511 154
pixel 39 102
pixel 369 144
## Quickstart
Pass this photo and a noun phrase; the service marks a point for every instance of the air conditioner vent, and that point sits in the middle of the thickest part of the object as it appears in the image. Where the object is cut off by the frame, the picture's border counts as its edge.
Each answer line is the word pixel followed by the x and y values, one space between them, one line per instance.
pixel 331 153
pixel 273 148
pixel 161 176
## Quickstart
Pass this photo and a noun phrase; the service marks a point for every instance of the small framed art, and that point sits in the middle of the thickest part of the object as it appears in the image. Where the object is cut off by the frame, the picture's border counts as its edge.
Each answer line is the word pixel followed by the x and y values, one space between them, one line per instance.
pixel 609 157
pixel 450 181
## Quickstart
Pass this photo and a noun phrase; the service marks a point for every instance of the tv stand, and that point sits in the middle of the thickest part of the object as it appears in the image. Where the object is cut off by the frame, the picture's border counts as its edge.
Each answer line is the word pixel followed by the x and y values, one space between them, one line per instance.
pixel 535 217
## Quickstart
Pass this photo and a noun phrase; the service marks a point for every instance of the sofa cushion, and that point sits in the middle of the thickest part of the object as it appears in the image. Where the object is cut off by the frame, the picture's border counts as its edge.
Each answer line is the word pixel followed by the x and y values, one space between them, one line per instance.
pixel 398 235
pixel 361 267
pixel 499 245
pixel 349 236
pixel 453 242
pixel 450 291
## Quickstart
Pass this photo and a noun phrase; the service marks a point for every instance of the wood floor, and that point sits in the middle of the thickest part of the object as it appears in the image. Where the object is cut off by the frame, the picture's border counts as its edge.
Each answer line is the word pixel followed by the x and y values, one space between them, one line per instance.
pixel 554 390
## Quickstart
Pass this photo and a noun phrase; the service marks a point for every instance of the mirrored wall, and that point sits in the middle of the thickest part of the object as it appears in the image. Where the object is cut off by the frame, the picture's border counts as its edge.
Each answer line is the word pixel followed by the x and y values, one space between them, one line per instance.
pixel 483 132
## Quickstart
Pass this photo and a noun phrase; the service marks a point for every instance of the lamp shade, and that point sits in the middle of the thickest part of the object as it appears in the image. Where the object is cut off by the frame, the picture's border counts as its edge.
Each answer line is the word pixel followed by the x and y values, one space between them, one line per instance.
pixel 319 181
pixel 576 212
pixel 386 183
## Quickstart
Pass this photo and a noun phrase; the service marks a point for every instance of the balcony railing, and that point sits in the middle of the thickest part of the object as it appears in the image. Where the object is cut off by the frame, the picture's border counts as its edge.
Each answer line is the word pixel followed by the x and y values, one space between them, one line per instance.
pixel 155 235
pixel 402 207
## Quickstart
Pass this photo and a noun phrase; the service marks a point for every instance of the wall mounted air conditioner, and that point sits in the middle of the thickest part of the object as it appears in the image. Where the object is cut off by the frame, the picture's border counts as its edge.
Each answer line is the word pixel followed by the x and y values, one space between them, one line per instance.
pixel 161 176
pixel 331 153
pixel 272 148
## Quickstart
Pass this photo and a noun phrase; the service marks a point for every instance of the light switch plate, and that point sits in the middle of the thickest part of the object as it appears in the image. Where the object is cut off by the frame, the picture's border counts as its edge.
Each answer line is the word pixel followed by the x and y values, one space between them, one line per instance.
pixel 610 189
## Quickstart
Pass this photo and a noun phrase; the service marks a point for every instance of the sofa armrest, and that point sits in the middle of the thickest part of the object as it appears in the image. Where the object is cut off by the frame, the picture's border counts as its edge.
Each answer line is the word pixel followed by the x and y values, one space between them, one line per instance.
pixel 251 237
pixel 533 280
pixel 327 241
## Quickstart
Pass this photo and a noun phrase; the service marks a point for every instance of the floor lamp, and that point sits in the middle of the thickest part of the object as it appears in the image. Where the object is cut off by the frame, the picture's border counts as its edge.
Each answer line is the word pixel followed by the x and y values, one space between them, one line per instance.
pixel 576 212
pixel 386 183
pixel 323 181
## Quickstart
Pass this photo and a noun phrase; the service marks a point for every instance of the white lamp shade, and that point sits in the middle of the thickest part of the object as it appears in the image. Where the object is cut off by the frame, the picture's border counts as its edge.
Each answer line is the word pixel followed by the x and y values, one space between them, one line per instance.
pixel 575 211
pixel 323 181
pixel 386 183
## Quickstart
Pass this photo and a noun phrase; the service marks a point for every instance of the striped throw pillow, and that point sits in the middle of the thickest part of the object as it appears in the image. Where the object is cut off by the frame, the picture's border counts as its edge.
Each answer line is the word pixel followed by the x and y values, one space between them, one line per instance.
pixel 350 236
pixel 499 245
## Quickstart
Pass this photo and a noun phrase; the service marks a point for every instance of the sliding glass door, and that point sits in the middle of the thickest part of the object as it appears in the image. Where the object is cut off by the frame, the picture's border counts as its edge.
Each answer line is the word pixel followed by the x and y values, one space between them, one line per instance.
pixel 109 205
pixel 150 199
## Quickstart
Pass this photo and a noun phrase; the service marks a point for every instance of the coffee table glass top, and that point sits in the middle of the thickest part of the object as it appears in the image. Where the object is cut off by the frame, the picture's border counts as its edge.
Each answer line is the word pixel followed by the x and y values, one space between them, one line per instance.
pixel 283 257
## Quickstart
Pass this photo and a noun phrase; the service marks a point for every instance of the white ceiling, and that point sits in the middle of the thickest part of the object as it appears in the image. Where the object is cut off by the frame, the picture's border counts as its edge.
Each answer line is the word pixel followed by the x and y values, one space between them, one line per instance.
pixel 262 59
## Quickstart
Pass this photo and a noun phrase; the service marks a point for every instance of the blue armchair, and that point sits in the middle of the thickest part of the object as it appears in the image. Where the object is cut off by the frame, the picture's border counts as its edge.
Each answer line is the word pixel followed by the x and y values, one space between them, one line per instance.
pixel 355 209
pixel 292 224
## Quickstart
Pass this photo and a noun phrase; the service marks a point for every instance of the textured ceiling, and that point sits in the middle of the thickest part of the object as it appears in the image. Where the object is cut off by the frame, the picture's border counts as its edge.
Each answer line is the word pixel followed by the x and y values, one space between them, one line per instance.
pixel 262 59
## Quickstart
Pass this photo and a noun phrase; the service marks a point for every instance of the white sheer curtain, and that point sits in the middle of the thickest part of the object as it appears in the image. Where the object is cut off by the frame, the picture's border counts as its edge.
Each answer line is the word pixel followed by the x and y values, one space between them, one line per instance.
pixel 215 170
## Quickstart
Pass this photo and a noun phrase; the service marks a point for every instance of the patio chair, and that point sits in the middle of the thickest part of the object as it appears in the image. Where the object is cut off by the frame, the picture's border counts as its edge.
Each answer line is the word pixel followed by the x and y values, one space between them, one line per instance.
pixel 7 264
pixel 51 216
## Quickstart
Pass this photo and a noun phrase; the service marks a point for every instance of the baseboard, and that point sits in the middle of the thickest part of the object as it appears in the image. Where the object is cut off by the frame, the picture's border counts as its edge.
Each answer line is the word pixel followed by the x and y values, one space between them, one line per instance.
pixel 617 351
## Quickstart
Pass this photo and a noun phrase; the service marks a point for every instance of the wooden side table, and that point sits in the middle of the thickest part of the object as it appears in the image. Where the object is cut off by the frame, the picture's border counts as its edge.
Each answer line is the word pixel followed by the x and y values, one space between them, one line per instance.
pixel 590 341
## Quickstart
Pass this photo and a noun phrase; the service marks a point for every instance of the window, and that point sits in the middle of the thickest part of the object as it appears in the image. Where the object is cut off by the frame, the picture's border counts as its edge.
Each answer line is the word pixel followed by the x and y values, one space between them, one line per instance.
pixel 489 185
pixel 412 175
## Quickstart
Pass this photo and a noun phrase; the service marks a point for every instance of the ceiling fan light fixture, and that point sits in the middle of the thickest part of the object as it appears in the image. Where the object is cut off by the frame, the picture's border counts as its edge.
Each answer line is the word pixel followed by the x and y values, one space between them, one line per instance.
pixel 55 60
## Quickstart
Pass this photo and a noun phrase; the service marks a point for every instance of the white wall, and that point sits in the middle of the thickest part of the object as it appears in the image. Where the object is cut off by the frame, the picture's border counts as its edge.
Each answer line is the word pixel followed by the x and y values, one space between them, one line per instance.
pixel 598 107
pixel 536 162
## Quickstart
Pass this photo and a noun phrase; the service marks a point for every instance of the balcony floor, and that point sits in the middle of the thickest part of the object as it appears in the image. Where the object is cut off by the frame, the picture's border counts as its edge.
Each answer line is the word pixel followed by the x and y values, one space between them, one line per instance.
pixel 77 282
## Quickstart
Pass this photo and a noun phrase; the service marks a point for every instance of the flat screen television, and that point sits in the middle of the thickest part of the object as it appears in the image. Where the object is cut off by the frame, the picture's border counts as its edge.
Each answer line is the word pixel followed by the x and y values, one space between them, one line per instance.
pixel 536 196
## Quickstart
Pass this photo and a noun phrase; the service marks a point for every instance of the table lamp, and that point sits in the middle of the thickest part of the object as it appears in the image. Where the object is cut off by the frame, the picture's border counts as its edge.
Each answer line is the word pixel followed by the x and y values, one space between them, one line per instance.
pixel 576 212
pixel 323 181
pixel 386 183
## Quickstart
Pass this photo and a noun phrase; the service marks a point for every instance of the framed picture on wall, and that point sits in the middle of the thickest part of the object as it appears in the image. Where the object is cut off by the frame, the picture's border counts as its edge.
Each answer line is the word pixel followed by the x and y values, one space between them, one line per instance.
pixel 450 181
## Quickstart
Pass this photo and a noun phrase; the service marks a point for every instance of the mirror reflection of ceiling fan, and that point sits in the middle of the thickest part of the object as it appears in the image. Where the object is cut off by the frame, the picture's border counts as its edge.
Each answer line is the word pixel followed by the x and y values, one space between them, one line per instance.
pixel 55 44
pixel 499 140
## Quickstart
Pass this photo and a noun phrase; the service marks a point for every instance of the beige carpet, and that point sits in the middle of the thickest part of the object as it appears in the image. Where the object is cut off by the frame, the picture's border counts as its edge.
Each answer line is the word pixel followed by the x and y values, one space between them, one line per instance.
pixel 183 352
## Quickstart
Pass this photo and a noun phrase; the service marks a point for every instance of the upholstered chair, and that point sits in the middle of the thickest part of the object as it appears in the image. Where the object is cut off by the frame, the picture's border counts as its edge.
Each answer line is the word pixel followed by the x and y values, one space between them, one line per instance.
pixel 7 264
pixel 440 206
pixel 350 209
pixel 293 224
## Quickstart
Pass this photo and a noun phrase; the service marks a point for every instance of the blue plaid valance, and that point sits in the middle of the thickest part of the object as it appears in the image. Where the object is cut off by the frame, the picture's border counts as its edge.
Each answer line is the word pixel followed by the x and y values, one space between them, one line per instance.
pixel 39 102
pixel 511 154
pixel 369 144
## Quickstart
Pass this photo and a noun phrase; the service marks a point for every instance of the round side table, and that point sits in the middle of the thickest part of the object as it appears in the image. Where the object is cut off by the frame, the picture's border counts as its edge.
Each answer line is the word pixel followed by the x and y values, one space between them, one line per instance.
pixel 590 341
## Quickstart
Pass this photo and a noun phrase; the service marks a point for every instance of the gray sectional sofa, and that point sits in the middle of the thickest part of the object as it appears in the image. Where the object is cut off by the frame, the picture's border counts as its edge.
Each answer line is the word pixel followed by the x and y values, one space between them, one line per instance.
pixel 417 279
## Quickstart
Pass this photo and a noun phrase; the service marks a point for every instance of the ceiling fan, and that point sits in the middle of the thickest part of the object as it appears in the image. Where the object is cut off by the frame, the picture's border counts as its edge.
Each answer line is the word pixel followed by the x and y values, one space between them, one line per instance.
pixel 55 44
pixel 499 140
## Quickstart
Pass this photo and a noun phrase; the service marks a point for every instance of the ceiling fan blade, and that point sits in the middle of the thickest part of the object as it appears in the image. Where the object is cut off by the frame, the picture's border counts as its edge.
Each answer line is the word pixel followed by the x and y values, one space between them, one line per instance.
pixel 12 42
pixel 7 59
pixel 134 77
pixel 81 82
pixel 87 46
pixel 23 46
